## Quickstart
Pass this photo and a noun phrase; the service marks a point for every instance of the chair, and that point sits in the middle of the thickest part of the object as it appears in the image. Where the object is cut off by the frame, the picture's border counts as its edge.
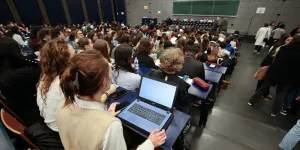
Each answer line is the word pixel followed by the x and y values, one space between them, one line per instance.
pixel 15 126
pixel 3 105
pixel 143 70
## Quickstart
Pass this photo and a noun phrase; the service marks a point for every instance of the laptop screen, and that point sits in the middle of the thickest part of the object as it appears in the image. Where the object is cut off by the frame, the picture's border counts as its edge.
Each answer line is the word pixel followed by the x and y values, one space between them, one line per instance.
pixel 158 92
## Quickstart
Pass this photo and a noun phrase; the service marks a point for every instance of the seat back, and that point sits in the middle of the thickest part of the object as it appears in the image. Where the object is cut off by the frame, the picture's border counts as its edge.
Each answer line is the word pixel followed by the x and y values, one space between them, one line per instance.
pixel 15 126
pixel 143 70
pixel 3 105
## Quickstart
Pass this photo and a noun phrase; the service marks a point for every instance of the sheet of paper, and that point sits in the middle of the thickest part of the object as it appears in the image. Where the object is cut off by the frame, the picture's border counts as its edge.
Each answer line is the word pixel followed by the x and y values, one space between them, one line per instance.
pixel 261 10
pixel 189 81
pixel 157 62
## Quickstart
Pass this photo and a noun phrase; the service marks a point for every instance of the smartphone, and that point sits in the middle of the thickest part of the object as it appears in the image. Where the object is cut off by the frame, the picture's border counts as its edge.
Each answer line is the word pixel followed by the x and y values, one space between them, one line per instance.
pixel 119 94
pixel 185 77
pixel 121 106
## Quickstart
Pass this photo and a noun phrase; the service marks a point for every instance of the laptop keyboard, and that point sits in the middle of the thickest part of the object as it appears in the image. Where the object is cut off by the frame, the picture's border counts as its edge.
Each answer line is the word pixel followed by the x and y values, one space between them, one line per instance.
pixel 147 113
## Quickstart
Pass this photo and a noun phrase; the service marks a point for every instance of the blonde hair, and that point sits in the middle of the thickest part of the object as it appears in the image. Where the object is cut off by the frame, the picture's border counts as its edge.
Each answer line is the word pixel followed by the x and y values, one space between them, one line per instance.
pixel 276 51
pixel 213 57
pixel 171 60
pixel 160 46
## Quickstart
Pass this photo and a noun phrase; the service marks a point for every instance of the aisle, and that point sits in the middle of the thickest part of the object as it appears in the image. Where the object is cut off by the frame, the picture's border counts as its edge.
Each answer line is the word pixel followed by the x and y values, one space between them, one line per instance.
pixel 232 124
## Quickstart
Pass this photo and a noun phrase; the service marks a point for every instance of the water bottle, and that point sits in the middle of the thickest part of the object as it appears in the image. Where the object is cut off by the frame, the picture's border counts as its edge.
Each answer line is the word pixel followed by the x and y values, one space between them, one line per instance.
pixel 136 63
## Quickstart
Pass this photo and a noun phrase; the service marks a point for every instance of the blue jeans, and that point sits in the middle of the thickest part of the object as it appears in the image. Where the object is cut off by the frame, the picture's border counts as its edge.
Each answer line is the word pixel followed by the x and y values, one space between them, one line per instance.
pixel 291 138
pixel 291 95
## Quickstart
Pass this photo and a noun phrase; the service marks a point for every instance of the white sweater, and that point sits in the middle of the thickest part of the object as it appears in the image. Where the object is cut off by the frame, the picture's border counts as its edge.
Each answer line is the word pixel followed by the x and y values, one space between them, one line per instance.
pixel 48 109
pixel 19 39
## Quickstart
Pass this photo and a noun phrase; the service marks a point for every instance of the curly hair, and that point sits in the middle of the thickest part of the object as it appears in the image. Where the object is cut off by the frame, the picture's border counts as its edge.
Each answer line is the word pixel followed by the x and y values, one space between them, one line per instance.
pixel 171 60
pixel 54 60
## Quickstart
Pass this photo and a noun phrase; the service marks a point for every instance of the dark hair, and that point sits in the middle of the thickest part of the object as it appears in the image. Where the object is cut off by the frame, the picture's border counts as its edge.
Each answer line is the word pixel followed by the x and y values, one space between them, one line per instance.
pixel 138 38
pixel 125 38
pixel 82 42
pixel 34 30
pixel 228 40
pixel 108 39
pixel 100 35
pixel 42 33
pixel 194 49
pixel 181 43
pixel 102 46
pixel 295 43
pixel 85 75
pixel 165 38
pixel 15 30
pixel 122 59
pixel 54 60
pixel 145 46
pixel 168 44
pixel 119 34
pixel 10 57
pixel 55 33
pixel 76 33
pixel 266 24
pixel 73 35
pixel 223 44
pixel 190 41
pixel 90 35
pixel 204 44
pixel 282 26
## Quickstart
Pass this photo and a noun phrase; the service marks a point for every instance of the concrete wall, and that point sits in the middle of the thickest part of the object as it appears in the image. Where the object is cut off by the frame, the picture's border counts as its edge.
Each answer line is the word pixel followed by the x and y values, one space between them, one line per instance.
pixel 289 10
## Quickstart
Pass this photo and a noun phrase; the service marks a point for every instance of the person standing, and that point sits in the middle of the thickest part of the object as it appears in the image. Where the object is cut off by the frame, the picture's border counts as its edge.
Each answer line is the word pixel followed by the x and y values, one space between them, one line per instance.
pixel 278 32
pixel 264 84
pixel 291 138
pixel 224 24
pixel 262 36
pixel 284 72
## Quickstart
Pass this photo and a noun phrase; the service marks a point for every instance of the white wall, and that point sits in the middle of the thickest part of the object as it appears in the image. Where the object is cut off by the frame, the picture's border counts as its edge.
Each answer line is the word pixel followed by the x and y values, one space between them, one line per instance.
pixel 289 10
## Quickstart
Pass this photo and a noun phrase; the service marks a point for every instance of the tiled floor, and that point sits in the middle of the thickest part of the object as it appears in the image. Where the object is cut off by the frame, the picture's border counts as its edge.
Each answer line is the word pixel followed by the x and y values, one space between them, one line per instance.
pixel 232 124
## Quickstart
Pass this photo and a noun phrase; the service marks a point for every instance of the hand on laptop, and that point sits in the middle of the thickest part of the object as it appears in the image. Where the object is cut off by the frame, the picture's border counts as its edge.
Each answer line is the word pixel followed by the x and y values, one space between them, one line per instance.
pixel 112 89
pixel 112 109
pixel 157 138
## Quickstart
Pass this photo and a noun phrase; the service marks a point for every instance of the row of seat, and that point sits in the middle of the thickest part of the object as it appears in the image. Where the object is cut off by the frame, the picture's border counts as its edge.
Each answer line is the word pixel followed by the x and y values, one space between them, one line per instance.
pixel 195 24
pixel 204 23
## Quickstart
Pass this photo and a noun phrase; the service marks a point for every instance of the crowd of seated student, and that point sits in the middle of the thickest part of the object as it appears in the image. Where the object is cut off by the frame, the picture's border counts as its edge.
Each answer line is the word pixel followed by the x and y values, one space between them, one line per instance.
pixel 117 50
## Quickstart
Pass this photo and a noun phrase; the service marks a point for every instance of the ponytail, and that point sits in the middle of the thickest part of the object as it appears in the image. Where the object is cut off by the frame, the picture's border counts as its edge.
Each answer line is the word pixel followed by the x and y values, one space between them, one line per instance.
pixel 67 84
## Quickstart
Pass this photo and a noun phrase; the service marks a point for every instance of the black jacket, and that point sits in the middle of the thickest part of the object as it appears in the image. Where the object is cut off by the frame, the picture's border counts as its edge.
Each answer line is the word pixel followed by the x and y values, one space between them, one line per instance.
pixel 18 81
pixel 285 69
pixel 19 89
pixel 192 68
pixel 145 60
pixel 182 99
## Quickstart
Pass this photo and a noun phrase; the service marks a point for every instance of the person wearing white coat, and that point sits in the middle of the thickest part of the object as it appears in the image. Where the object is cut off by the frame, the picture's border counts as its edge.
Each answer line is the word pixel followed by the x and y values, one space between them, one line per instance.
pixel 261 34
